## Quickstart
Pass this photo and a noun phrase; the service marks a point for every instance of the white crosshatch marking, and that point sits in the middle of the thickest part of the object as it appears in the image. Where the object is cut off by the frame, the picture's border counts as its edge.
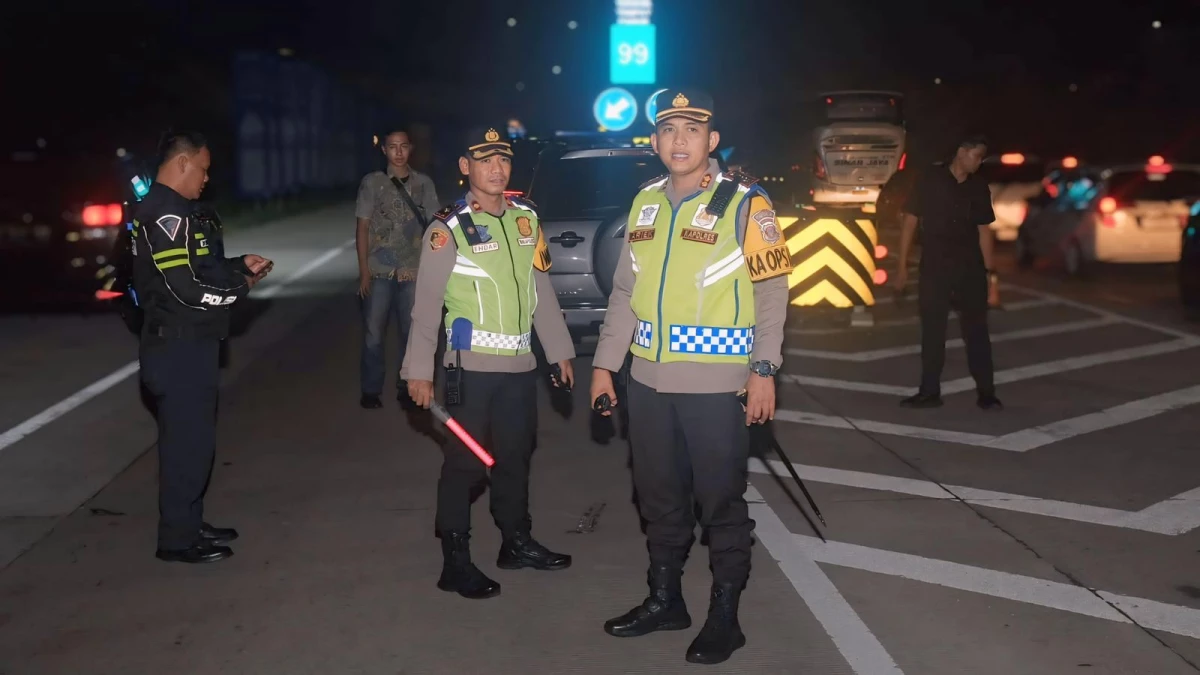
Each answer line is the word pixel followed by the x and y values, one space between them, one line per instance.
pixel 1177 515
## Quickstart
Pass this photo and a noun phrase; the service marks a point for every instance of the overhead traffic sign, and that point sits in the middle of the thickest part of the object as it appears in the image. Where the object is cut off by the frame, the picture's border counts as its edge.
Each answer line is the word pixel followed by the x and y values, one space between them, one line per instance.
pixel 631 54
pixel 615 109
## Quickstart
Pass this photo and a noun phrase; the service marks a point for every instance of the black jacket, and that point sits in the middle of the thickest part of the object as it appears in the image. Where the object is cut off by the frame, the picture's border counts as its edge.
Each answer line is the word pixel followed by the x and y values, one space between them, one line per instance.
pixel 180 273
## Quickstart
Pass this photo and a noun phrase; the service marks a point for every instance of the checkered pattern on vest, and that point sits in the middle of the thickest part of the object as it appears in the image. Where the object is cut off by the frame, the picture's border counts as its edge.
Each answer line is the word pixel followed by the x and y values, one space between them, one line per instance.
pixel 711 340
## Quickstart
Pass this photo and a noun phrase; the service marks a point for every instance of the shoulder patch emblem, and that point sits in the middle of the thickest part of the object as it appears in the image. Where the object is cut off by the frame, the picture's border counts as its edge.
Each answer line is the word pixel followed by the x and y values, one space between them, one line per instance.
pixel 766 224
pixel 524 227
pixel 438 238
pixel 170 225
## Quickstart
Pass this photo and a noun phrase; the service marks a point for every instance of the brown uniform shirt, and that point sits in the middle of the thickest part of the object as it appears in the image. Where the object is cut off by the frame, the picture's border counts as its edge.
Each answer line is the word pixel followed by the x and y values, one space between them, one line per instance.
pixel 620 324
pixel 432 276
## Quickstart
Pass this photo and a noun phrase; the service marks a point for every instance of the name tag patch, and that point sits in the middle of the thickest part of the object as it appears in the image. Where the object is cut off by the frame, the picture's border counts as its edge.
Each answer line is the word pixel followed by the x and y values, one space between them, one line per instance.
pixel 769 263
pixel 484 248
pixel 641 235
pixel 647 215
pixel 702 236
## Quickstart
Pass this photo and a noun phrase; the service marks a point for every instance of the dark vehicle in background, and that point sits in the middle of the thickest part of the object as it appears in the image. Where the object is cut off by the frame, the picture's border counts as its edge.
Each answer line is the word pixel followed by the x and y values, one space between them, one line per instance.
pixel 1125 214
pixel 60 216
pixel 583 198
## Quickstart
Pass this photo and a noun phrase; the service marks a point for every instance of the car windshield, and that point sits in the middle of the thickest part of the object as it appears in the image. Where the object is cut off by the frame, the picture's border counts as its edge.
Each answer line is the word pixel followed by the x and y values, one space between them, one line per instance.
pixel 1155 187
pixel 995 172
pixel 591 187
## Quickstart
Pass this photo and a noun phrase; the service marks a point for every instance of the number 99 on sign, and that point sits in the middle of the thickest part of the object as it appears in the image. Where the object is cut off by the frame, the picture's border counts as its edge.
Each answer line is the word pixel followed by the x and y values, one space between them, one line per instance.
pixel 637 53
pixel 631 48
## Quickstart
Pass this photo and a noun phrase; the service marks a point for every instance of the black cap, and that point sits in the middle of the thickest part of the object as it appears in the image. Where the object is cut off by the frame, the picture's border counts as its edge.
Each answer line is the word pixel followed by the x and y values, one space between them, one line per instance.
pixel 688 103
pixel 484 142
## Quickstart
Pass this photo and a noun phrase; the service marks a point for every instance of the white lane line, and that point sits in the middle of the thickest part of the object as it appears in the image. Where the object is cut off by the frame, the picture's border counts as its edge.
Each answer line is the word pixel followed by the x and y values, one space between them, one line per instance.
pixel 1176 515
pixel 1054 297
pixel 1133 411
pixel 910 321
pixel 888 428
pixel 1017 441
pixel 956 343
pixel 1010 375
pixel 1173 517
pixel 857 644
pixel 107 382
pixel 1029 590
pixel 305 270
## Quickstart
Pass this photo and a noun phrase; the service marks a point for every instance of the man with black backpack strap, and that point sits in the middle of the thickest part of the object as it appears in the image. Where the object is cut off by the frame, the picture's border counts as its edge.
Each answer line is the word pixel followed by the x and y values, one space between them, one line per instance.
pixel 393 210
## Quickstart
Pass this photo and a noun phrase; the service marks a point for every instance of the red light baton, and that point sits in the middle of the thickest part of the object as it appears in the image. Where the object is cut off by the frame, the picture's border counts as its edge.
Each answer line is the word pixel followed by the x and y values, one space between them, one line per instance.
pixel 444 417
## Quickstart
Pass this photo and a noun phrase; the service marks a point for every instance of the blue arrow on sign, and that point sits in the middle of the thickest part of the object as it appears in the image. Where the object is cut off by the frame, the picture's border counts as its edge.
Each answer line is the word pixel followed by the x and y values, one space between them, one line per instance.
pixel 652 105
pixel 615 109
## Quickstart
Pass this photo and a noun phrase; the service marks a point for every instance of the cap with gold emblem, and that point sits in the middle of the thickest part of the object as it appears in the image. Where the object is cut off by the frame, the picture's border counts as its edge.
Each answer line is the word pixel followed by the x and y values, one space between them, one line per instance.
pixel 487 141
pixel 691 104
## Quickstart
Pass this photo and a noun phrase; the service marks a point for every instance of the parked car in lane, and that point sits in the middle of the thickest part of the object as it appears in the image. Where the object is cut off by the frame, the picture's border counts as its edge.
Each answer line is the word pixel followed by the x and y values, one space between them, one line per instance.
pixel 583 197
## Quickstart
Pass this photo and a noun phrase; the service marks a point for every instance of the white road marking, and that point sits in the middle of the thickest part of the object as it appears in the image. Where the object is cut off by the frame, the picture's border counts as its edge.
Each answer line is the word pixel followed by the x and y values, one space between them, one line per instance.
pixel 910 321
pixel 1017 441
pixel 1125 413
pixel 1010 375
pixel 1030 590
pixel 1174 516
pixel 1054 297
pixel 107 382
pixel 956 343
pixel 857 644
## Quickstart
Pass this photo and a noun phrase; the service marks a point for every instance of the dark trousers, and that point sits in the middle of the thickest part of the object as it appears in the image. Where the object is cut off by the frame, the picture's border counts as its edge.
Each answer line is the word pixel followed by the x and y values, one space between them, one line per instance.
pixel 692 449
pixel 388 299
pixel 182 374
pixel 500 411
pixel 965 289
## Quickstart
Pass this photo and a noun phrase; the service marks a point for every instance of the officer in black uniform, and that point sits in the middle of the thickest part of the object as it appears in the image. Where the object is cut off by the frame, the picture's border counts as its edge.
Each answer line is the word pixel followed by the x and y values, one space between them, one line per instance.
pixel 187 287
pixel 954 209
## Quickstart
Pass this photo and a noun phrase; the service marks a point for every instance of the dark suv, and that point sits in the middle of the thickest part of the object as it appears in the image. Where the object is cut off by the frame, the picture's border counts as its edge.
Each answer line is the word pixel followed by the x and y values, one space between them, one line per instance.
pixel 583 198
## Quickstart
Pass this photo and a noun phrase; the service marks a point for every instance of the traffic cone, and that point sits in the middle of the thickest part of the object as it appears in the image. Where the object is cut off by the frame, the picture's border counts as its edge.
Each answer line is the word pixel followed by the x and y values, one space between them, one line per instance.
pixel 994 292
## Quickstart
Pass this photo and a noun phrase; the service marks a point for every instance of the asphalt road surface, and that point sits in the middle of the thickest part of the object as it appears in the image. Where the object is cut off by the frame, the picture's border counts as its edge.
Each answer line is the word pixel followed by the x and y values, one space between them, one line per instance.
pixel 1056 536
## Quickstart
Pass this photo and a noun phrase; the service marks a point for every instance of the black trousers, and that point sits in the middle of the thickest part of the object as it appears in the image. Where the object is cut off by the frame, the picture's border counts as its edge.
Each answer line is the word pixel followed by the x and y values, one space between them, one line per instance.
pixel 965 288
pixel 182 374
pixel 692 449
pixel 500 411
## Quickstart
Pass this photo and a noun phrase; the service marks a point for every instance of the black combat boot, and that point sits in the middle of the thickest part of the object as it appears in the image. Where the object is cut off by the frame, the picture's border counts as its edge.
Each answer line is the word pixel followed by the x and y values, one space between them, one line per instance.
pixel 664 609
pixel 721 634
pixel 521 550
pixel 459 574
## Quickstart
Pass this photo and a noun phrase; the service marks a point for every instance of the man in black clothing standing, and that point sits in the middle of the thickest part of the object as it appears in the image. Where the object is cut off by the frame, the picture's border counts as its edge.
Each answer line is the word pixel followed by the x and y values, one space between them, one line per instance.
pixel 954 210
pixel 187 285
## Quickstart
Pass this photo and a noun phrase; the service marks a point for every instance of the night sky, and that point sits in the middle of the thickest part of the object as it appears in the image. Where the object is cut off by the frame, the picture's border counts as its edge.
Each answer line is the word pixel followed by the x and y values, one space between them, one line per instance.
pixel 1007 68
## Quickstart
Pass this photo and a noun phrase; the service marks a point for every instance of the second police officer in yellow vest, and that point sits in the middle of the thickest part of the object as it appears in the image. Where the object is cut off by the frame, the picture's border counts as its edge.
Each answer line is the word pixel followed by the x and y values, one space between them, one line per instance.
pixel 485 261
pixel 699 298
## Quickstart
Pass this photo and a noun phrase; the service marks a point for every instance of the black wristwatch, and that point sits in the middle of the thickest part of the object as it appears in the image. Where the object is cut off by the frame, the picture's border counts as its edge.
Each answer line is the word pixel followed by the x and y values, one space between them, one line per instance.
pixel 764 368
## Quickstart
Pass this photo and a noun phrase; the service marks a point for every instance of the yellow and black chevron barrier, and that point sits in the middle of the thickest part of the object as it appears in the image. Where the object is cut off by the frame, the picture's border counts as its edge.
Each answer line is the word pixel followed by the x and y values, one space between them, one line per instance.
pixel 833 259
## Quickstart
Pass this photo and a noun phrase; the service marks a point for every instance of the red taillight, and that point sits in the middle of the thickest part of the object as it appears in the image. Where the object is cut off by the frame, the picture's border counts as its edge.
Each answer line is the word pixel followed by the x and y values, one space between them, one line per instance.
pixel 103 215
pixel 1108 205
pixel 513 193
pixel 903 159
pixel 819 168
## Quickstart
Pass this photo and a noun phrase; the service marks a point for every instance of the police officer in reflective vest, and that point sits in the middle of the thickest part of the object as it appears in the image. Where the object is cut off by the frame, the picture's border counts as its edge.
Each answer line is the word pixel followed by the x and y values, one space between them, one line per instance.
pixel 187 286
pixel 484 259
pixel 699 297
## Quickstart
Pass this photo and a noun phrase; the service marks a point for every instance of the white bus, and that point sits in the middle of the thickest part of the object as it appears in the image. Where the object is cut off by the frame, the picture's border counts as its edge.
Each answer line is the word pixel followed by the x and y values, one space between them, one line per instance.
pixel 859 143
